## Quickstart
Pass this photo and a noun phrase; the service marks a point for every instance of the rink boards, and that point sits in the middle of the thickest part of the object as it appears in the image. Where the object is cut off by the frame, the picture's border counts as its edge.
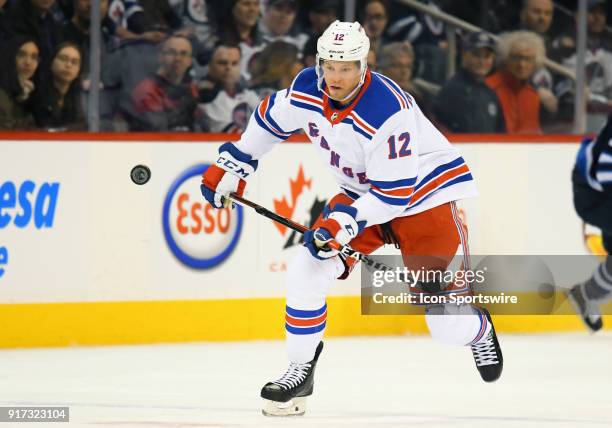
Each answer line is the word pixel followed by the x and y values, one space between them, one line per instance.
pixel 89 257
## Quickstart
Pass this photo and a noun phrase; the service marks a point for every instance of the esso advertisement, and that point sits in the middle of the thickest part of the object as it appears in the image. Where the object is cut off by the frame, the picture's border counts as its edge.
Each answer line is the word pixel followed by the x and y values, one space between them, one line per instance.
pixel 26 205
pixel 198 235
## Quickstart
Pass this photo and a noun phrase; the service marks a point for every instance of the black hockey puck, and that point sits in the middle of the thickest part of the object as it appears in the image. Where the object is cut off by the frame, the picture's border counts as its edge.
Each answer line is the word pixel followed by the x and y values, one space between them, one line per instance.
pixel 140 174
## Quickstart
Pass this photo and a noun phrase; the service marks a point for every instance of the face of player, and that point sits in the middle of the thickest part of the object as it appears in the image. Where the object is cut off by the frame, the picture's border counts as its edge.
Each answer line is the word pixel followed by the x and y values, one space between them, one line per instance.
pixel 66 65
pixel 224 66
pixel 279 18
pixel 375 19
pixel 596 20
pixel 537 15
pixel 246 12
pixel 27 60
pixel 400 70
pixel 521 62
pixel 478 62
pixel 341 78
pixel 175 58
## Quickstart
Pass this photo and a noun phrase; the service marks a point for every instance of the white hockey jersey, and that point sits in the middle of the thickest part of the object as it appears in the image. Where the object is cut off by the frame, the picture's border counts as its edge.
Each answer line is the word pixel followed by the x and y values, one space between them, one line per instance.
pixel 382 151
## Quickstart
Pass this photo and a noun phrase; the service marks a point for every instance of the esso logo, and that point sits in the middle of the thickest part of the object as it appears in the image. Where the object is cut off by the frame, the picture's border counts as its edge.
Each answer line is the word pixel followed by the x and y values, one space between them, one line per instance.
pixel 199 235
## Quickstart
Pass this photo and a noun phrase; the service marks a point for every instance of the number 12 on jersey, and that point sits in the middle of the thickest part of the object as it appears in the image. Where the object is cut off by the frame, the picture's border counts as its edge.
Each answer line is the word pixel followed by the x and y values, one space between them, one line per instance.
pixel 404 140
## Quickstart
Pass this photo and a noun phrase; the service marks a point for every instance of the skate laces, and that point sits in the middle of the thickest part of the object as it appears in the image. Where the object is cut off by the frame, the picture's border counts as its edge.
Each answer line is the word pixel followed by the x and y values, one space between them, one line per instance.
pixel 484 352
pixel 295 374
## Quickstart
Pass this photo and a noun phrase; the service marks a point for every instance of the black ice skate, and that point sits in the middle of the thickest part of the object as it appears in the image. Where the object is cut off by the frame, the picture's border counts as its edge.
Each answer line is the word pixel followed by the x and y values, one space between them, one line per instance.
pixel 488 354
pixel 287 395
pixel 586 308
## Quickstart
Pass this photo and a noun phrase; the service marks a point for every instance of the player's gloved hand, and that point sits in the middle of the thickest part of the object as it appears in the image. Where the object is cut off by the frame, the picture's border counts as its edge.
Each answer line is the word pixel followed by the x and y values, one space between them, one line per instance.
pixel 227 175
pixel 339 224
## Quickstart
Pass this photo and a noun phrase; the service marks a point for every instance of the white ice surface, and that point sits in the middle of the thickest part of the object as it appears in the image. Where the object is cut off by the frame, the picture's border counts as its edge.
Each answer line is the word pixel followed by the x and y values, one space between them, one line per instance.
pixel 560 380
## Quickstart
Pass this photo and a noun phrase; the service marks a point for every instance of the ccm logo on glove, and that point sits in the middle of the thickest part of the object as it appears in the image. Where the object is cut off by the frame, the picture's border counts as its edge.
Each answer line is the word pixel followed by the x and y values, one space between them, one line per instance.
pixel 227 175
pixel 227 162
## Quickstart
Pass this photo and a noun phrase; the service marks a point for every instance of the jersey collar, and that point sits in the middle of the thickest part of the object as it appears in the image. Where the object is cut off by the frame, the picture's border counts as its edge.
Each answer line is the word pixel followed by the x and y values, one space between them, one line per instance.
pixel 336 116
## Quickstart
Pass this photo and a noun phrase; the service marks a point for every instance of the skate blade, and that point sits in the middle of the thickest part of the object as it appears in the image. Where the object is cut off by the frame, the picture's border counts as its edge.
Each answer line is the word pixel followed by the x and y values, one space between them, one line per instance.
pixel 293 407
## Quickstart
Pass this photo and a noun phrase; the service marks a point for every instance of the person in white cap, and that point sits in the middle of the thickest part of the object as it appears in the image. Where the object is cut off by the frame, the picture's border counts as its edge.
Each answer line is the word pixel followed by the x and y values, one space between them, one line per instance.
pixel 398 178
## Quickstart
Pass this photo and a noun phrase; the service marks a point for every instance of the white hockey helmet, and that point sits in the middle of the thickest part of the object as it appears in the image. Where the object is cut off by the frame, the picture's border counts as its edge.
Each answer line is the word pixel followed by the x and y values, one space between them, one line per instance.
pixel 343 41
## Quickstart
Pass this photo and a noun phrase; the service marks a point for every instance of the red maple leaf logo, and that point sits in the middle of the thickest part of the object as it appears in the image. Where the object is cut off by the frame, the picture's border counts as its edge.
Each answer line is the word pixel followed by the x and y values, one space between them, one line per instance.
pixel 283 207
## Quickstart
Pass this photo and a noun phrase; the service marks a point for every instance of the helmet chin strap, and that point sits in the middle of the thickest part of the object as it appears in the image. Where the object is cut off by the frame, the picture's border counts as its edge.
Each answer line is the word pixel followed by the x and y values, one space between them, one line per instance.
pixel 359 85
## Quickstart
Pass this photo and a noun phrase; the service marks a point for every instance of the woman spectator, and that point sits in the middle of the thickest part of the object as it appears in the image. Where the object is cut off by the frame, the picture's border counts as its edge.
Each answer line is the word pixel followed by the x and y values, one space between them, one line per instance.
pixel 17 83
pixel 519 54
pixel 58 102
pixel 277 23
pixel 275 68
pixel 239 26
pixel 375 17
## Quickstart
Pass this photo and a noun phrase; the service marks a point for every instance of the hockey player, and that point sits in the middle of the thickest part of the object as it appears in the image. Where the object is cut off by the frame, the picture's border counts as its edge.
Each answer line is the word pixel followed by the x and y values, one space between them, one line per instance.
pixel 592 185
pixel 399 178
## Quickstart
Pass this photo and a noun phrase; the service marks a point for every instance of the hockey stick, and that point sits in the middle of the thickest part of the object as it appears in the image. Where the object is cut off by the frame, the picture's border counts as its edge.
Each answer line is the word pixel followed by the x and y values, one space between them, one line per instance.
pixel 343 249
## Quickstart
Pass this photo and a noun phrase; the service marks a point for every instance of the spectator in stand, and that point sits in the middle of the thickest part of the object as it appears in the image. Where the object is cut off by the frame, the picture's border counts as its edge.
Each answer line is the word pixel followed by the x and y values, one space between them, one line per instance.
pixel 321 14
pixel 598 63
pixel 598 35
pixel 225 105
pixel 57 100
pixel 537 16
pixel 199 25
pixel 428 38
pixel 466 103
pixel 239 26
pixel 375 17
pixel 143 20
pixel 33 18
pixel 77 31
pixel 278 21
pixel 166 101
pixel 519 54
pixel 17 79
pixel 157 15
pixel 395 61
pixel 275 68
pixel 133 60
